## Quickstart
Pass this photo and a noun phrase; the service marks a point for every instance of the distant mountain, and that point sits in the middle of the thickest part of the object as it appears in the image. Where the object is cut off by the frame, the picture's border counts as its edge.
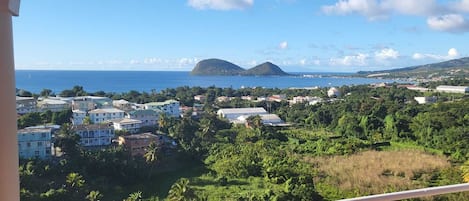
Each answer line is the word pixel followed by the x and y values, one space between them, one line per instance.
pixel 459 67
pixel 216 67
pixel 222 67
pixel 266 68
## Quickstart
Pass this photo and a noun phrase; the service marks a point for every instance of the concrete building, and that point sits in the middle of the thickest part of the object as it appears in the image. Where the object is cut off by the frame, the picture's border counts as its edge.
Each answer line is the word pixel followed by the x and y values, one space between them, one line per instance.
pixel 25 105
pixel 267 119
pixel 95 134
pixel 425 100
pixel 35 142
pixel 130 125
pixel 452 89
pixel 200 98
pixel 78 116
pixel 122 104
pixel 137 144
pixel 147 117
pixel 333 92
pixel 232 114
pixel 98 116
pixel 87 103
pixel 54 105
pixel 169 107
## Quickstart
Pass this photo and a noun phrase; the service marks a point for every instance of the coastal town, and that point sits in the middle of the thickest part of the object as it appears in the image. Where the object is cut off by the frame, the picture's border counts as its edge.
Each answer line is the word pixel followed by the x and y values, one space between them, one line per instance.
pixel 97 119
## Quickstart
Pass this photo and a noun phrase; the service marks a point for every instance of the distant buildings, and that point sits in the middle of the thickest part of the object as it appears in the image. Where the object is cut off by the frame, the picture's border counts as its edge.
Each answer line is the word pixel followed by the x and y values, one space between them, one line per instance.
pixel 78 117
pixel 452 89
pixel 425 99
pixel 87 103
pixel 333 92
pixel 169 107
pixel 200 98
pixel 25 105
pixel 35 142
pixel 53 105
pixel 95 134
pixel 138 144
pixel 105 114
pixel 240 115
pixel 147 117
pixel 130 125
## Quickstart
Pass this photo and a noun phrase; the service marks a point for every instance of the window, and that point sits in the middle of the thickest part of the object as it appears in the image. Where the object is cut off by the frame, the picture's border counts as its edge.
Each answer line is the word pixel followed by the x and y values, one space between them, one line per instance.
pixel 28 144
pixel 39 143
pixel 36 153
pixel 43 135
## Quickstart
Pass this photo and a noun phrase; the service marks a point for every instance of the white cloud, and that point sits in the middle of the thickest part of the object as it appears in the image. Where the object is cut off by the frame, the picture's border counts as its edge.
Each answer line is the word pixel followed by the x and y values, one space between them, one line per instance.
pixel 220 4
pixel 368 8
pixel 441 15
pixel 452 54
pixel 303 62
pixel 450 23
pixel 386 53
pixel 359 59
pixel 283 45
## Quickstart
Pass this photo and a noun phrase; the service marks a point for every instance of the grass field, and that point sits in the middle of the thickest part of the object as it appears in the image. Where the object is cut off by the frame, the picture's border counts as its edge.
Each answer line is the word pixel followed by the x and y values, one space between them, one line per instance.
pixel 373 172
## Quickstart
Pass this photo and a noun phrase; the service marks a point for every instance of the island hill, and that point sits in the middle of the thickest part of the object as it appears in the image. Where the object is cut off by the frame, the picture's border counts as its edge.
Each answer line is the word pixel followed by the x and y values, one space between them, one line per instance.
pixel 222 67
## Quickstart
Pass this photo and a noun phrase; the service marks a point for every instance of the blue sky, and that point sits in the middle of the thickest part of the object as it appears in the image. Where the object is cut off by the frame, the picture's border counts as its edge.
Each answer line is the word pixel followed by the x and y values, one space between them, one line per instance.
pixel 297 35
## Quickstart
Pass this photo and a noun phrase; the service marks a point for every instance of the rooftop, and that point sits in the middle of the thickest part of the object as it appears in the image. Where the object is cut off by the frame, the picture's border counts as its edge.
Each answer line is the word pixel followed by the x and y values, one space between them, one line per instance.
pixel 162 103
pixel 126 121
pixel 256 110
pixel 34 130
pixel 92 126
pixel 140 136
pixel 105 110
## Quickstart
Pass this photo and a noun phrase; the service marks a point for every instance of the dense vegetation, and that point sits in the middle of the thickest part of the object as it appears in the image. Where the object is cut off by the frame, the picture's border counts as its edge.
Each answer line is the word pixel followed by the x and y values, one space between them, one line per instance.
pixel 373 140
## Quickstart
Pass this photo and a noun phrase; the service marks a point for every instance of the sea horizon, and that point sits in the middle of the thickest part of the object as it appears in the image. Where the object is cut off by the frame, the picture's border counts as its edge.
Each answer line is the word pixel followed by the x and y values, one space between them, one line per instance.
pixel 124 81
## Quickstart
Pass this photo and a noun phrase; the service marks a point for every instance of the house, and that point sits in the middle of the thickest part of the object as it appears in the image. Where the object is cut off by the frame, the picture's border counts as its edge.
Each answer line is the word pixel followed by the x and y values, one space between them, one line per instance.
pixel 35 142
pixel 106 114
pixel 232 114
pixel 78 116
pixel 94 134
pixel 54 105
pixel 137 144
pixel 200 98
pixel 267 119
pixel 311 100
pixel 25 105
pixel 425 99
pixel 453 89
pixel 169 107
pixel 277 98
pixel 333 92
pixel 122 104
pixel 87 103
pixel 130 125
pixel 147 117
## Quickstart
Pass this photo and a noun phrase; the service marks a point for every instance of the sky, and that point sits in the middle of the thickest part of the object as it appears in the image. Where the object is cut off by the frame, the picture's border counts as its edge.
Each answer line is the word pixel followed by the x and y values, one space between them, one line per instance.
pixel 297 35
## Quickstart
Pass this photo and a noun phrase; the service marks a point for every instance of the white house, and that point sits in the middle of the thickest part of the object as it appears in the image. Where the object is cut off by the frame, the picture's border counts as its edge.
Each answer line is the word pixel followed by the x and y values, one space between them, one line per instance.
pixel 87 103
pixel 95 134
pixel 78 116
pixel 425 100
pixel 25 105
pixel 169 107
pixel 106 114
pixel 122 104
pixel 267 119
pixel 54 105
pixel 452 89
pixel 147 117
pixel 35 142
pixel 333 92
pixel 130 125
pixel 232 114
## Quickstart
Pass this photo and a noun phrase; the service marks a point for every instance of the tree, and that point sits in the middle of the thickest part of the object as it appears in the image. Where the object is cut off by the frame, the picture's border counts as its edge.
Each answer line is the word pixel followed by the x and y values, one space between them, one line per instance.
pixel 87 120
pixel 135 196
pixel 152 153
pixel 75 180
pixel 465 171
pixel 181 191
pixel 68 140
pixel 163 122
pixel 94 196
pixel 46 92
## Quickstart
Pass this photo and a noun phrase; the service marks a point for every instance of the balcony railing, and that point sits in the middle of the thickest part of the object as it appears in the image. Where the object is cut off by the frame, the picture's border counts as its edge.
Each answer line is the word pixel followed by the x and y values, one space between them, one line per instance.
pixel 424 192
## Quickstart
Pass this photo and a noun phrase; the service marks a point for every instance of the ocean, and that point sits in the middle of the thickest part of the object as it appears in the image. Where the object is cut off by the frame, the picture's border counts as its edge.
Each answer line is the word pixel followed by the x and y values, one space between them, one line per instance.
pixel 124 81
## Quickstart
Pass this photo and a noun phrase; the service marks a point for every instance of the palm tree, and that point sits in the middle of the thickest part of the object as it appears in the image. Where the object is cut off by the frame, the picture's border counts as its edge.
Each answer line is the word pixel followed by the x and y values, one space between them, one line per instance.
pixel 75 180
pixel 94 196
pixel 135 196
pixel 152 152
pixel 181 191
pixel 162 122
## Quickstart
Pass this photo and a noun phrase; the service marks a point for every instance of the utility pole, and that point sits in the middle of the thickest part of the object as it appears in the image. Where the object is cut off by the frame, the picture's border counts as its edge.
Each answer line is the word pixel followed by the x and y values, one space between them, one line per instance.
pixel 9 175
